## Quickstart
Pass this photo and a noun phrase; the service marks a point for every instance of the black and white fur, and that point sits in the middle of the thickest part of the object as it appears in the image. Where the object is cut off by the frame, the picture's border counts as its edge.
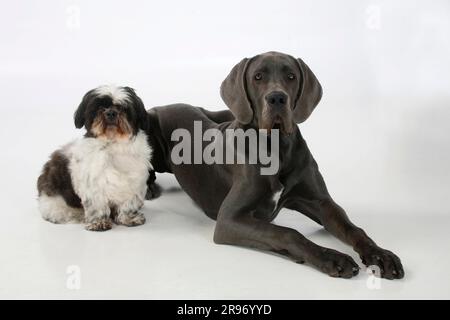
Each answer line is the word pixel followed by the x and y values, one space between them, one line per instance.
pixel 102 177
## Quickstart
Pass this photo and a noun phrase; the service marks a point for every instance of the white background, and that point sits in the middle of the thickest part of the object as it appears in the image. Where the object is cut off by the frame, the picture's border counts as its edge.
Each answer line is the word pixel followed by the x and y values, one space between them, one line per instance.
pixel 380 136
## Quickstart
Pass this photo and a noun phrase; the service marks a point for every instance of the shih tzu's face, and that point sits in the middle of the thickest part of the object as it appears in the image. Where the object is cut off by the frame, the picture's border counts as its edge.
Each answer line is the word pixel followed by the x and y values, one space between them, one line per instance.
pixel 112 113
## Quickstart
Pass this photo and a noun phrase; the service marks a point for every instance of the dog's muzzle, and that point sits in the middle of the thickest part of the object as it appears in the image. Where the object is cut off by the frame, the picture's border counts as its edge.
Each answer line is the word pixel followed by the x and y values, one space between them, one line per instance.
pixel 276 99
pixel 277 115
pixel 111 116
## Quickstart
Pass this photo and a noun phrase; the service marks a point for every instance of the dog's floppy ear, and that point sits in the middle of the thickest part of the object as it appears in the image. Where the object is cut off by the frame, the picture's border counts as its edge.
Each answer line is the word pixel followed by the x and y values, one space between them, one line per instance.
pixel 141 113
pixel 310 93
pixel 79 116
pixel 234 93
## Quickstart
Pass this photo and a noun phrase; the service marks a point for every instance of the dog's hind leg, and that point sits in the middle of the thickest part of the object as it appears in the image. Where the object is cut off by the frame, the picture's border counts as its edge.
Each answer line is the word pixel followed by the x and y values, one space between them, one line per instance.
pixel 57 201
pixel 55 209
pixel 153 189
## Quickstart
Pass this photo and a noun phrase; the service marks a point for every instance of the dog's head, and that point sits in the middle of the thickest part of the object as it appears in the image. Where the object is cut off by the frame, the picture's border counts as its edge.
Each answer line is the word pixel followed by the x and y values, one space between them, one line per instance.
pixel 111 112
pixel 273 90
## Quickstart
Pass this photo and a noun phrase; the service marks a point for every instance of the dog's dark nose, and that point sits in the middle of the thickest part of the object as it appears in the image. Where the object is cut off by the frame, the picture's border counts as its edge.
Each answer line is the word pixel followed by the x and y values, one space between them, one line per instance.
pixel 110 114
pixel 276 99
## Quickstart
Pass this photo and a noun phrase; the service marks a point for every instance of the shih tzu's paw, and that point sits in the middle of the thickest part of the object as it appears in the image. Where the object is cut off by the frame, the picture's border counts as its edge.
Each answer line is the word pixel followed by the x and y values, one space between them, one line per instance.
pixel 130 220
pixel 102 224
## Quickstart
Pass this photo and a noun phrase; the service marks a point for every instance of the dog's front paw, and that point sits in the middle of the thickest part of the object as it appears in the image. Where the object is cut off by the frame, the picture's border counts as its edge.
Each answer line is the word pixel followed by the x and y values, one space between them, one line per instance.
pixel 336 264
pixel 389 264
pixel 128 220
pixel 99 225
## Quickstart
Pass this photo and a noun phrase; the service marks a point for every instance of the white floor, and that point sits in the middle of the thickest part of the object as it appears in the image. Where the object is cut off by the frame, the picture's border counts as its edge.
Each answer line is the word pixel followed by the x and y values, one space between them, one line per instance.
pixel 173 256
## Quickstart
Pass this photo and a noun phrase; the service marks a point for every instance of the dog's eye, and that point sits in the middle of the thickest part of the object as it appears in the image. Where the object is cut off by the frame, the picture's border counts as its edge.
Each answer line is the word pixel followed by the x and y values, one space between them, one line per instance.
pixel 291 76
pixel 258 76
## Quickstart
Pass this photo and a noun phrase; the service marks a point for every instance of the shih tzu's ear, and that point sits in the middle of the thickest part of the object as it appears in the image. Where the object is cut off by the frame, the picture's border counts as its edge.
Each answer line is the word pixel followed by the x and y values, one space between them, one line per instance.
pixel 79 116
pixel 141 113
pixel 234 92
pixel 310 93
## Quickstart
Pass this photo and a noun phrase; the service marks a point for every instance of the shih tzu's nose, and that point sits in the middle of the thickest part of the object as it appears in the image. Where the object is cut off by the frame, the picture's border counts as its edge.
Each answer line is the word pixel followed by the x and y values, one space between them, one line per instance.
pixel 111 115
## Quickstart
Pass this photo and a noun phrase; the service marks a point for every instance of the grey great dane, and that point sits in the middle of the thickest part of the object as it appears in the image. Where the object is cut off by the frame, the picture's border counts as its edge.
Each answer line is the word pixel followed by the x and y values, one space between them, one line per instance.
pixel 270 90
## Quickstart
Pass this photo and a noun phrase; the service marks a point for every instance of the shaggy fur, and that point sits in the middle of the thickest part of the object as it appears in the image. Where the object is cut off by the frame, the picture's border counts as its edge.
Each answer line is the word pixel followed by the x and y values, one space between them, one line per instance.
pixel 102 177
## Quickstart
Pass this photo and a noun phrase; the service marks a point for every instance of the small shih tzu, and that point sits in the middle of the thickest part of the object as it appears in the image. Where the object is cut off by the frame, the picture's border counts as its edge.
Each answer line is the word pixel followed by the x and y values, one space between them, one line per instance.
pixel 102 177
